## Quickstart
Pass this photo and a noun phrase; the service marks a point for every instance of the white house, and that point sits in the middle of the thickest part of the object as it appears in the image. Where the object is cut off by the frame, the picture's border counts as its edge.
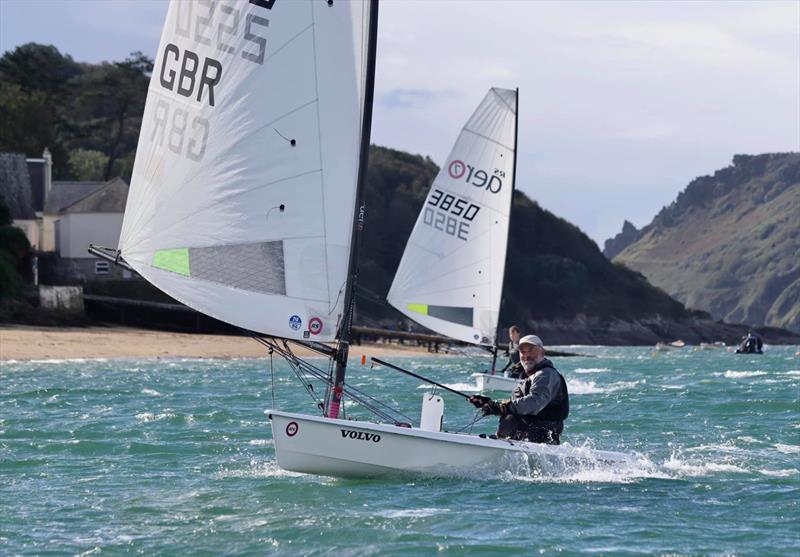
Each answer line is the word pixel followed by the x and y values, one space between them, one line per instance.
pixel 83 213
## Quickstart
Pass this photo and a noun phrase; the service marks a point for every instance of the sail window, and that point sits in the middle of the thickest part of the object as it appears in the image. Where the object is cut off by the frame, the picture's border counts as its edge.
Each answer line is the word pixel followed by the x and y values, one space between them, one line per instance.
pixel 461 316
pixel 253 267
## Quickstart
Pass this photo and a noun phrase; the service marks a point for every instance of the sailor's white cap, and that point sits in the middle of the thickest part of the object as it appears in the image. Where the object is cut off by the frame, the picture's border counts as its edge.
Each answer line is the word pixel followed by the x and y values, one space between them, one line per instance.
pixel 531 339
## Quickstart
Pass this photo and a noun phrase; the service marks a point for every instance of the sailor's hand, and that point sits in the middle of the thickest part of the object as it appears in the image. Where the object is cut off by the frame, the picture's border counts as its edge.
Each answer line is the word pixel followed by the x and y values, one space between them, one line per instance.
pixel 505 408
pixel 479 400
pixel 492 407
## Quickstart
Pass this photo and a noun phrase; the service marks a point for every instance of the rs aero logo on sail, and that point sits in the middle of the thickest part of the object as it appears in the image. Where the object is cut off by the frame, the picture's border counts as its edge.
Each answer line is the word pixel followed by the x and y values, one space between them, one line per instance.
pixel 459 170
pixel 360 435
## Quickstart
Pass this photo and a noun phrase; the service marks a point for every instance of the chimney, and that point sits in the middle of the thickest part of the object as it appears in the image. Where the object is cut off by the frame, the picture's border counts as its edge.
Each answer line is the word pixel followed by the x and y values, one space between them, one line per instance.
pixel 48 172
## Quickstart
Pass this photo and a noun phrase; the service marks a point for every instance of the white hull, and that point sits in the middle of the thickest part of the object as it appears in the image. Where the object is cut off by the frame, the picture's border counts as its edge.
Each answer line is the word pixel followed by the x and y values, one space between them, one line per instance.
pixel 486 382
pixel 345 448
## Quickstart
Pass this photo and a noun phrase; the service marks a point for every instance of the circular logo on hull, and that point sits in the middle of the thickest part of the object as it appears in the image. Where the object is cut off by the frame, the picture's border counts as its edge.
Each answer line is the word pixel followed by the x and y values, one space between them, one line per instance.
pixel 292 429
pixel 295 322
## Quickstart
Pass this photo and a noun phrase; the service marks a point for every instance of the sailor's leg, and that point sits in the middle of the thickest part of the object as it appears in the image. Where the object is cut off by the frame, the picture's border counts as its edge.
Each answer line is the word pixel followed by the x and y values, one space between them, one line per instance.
pixel 543 432
pixel 509 426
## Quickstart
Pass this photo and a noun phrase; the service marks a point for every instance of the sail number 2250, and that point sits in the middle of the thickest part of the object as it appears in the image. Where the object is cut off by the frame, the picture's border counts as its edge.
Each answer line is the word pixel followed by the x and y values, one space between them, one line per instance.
pixel 449 213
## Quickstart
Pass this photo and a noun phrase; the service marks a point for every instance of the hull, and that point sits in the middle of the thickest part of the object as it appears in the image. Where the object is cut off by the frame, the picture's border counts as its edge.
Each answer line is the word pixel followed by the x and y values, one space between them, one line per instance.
pixel 486 382
pixel 355 449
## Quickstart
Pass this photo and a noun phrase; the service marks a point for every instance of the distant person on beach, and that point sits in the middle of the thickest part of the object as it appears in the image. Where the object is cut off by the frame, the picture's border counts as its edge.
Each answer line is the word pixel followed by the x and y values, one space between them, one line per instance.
pixel 513 368
pixel 538 406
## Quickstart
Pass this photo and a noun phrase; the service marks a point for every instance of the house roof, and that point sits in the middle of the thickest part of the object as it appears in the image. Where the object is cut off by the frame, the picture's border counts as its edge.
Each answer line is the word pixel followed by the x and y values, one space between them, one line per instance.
pixel 64 194
pixel 15 186
pixel 108 198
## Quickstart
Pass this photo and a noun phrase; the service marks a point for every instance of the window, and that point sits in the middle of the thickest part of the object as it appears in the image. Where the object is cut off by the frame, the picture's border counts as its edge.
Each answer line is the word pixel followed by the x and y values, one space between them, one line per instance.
pixel 102 267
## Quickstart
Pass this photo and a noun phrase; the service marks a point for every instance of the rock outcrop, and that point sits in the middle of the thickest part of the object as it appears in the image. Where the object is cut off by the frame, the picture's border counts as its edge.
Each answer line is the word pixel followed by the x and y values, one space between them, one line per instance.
pixel 615 245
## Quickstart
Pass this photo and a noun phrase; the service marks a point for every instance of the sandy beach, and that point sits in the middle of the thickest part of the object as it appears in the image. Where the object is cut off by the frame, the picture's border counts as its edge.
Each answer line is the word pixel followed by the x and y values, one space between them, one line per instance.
pixel 40 343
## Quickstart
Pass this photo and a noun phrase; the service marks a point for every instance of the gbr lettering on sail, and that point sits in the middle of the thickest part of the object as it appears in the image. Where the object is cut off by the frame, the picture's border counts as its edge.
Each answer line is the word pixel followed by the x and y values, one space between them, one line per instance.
pixel 228 29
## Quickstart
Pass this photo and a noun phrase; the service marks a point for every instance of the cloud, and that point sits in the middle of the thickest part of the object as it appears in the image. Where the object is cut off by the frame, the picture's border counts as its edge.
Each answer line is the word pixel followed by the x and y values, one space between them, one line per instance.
pixel 411 98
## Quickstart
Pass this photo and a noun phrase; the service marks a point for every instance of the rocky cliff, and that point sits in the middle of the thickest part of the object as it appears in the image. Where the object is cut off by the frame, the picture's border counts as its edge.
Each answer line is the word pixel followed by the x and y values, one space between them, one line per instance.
pixel 730 243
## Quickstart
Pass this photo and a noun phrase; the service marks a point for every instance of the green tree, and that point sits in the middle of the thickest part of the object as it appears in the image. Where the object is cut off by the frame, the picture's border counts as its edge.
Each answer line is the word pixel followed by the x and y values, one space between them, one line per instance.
pixel 14 251
pixel 38 67
pixel 87 164
pixel 107 111
pixel 35 87
pixel 27 120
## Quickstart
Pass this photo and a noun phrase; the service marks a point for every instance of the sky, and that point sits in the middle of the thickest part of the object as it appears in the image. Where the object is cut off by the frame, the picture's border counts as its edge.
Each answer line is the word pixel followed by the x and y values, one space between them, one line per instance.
pixel 622 104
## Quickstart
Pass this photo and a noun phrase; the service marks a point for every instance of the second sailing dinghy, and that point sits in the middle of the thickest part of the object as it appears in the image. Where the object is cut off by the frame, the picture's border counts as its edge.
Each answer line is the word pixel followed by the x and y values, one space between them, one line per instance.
pixel 450 278
pixel 246 205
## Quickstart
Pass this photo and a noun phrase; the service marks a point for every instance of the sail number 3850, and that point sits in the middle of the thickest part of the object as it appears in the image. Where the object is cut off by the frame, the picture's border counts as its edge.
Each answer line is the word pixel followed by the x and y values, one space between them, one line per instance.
pixel 449 213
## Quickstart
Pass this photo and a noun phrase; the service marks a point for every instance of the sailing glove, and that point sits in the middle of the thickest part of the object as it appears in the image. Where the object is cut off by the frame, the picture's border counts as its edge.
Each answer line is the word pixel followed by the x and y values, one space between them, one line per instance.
pixel 478 401
pixel 494 408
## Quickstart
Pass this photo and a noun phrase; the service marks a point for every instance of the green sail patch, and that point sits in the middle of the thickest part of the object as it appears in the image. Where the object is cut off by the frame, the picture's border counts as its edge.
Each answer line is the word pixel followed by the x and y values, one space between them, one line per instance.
pixel 419 308
pixel 173 260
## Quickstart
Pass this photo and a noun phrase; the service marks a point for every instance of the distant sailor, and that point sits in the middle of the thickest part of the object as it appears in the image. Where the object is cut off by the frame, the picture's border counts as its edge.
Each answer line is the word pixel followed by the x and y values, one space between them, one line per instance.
pixel 513 368
pixel 538 406
pixel 751 344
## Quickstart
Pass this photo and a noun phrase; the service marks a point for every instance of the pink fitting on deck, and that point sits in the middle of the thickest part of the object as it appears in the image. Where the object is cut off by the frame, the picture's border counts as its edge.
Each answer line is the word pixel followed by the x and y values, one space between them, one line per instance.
pixel 333 411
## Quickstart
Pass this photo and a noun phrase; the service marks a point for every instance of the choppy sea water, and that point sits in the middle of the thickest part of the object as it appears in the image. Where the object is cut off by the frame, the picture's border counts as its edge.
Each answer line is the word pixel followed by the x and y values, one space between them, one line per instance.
pixel 175 457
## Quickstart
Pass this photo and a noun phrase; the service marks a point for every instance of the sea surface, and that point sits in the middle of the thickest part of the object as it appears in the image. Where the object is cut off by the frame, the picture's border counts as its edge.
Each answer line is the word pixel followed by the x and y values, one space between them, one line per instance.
pixel 175 457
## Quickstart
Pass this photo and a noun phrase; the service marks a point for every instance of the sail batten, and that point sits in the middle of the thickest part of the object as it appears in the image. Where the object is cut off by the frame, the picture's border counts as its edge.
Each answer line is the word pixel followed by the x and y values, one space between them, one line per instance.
pixel 243 191
pixel 454 262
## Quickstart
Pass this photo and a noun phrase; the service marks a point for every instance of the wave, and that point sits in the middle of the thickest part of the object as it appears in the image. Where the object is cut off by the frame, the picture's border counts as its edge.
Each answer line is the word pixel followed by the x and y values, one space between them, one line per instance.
pixel 577 387
pixel 583 388
pixel 586 468
pixel 591 369
pixel 463 387
pixel 60 360
pixel 788 473
pixel 686 468
pixel 146 417
pixel 268 469
pixel 412 513
pixel 261 442
pixel 730 374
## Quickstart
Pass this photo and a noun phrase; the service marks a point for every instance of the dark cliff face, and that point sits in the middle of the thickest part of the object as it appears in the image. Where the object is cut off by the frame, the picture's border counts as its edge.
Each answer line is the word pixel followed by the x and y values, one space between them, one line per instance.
pixel 554 270
pixel 622 240
pixel 730 243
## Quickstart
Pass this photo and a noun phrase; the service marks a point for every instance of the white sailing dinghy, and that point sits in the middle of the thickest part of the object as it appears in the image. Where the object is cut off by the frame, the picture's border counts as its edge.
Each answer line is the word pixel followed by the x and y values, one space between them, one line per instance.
pixel 450 278
pixel 246 205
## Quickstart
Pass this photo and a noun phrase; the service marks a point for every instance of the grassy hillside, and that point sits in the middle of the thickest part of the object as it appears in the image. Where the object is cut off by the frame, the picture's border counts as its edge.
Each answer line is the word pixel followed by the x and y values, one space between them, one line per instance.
pixel 730 243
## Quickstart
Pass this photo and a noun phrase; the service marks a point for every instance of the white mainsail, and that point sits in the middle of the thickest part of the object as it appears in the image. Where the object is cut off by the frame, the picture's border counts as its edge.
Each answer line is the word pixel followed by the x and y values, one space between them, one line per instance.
pixel 243 192
pixel 450 278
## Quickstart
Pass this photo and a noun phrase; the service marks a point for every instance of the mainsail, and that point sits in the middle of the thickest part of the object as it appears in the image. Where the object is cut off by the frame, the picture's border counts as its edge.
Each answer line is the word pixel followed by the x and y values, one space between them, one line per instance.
pixel 243 193
pixel 450 278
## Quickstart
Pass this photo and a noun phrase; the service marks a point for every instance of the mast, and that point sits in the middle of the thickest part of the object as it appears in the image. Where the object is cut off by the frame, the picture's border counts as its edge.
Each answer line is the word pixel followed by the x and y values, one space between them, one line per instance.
pixel 333 402
pixel 510 211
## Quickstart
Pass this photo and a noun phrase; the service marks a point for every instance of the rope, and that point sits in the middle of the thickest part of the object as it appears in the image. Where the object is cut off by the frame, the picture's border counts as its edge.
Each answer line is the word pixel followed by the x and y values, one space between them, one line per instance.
pixel 304 370
pixel 478 417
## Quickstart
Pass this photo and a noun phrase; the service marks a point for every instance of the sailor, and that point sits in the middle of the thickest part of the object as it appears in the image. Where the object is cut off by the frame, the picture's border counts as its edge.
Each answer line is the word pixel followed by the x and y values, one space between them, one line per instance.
pixel 538 406
pixel 751 344
pixel 513 368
